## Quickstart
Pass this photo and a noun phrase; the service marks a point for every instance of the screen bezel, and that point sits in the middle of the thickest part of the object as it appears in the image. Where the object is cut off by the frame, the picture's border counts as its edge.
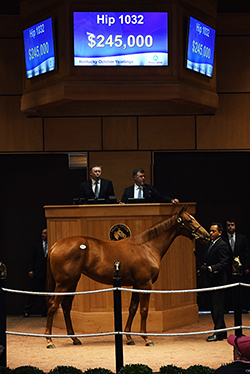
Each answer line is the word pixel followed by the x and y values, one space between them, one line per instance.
pixel 52 18
pixel 130 67
pixel 187 43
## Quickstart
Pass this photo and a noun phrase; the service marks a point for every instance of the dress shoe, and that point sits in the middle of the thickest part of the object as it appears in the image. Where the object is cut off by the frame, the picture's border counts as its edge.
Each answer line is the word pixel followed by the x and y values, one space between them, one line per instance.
pixel 25 315
pixel 216 337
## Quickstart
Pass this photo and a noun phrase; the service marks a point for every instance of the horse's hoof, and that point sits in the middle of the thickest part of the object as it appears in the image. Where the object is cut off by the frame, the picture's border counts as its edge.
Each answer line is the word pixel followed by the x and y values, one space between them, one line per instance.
pixel 77 342
pixel 149 344
pixel 51 346
pixel 131 342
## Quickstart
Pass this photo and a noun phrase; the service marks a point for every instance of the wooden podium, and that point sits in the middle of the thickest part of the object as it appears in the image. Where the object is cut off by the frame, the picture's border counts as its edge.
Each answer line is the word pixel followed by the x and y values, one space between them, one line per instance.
pixel 94 312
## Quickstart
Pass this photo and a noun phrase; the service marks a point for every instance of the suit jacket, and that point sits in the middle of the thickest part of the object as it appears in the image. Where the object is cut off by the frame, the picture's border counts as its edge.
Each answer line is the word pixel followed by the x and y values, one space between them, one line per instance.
pixel 37 262
pixel 217 258
pixel 241 249
pixel 106 189
pixel 150 194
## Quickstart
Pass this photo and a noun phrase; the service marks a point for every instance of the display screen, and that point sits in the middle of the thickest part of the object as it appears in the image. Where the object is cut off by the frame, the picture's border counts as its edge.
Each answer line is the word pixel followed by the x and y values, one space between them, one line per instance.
pixel 200 50
pixel 39 48
pixel 120 39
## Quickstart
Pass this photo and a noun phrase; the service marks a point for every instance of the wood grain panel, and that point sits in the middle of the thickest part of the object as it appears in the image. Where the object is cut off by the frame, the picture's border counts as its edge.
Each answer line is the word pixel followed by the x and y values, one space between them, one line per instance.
pixel 77 134
pixel 119 166
pixel 173 132
pixel 119 133
pixel 11 66
pixel 229 128
pixel 233 24
pixel 18 133
pixel 233 56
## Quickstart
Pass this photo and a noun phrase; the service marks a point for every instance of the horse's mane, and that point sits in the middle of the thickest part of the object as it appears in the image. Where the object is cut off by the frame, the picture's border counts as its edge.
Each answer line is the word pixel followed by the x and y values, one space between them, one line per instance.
pixel 154 231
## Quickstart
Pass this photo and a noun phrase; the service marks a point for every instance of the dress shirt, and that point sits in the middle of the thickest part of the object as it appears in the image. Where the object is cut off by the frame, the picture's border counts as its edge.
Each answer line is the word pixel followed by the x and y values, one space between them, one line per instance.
pixel 45 248
pixel 230 239
pixel 94 185
pixel 136 191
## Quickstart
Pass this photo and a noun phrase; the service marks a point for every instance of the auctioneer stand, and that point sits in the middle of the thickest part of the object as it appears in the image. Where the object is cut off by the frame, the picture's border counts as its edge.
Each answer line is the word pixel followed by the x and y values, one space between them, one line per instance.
pixel 94 312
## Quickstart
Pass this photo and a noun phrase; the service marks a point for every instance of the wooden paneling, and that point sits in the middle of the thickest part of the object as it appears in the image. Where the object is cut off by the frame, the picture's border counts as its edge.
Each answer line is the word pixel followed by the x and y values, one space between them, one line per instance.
pixel 18 133
pixel 233 24
pixel 172 84
pixel 72 134
pixel 119 133
pixel 229 128
pixel 11 66
pixel 233 56
pixel 166 132
pixel 119 166
pixel 11 26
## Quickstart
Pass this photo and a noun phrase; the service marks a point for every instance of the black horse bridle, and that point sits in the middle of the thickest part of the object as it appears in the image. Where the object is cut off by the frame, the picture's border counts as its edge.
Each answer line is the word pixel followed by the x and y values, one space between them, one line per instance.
pixel 193 232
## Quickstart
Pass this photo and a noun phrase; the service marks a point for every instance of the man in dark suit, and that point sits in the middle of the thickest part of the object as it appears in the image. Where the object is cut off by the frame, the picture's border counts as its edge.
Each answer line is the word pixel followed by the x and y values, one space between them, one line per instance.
pixel 239 247
pixel 96 187
pixel 37 266
pixel 214 274
pixel 146 191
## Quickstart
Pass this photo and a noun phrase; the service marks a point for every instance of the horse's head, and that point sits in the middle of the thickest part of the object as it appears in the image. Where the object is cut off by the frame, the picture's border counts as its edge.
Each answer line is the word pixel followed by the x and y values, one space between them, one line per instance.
pixel 190 227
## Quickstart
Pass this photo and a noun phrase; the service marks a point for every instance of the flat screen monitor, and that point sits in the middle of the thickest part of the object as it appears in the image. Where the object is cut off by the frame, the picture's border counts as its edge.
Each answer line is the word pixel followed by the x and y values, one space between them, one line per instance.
pixel 120 39
pixel 136 200
pixel 39 48
pixel 200 49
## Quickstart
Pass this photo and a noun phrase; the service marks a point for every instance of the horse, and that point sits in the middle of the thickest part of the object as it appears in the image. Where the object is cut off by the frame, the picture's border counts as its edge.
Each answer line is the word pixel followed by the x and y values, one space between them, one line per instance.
pixel 140 259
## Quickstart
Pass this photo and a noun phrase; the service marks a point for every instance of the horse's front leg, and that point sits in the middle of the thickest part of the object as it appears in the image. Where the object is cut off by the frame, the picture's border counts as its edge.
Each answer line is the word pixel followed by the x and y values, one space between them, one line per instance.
pixel 53 304
pixel 132 311
pixel 66 305
pixel 144 304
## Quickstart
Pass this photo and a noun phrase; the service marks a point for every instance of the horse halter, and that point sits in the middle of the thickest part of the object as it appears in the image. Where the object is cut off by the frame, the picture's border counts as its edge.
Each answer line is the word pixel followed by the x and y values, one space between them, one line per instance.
pixel 193 232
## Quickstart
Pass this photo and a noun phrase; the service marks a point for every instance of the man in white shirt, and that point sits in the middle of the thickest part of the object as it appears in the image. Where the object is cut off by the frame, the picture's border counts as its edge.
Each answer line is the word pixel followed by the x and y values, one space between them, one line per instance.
pixel 146 191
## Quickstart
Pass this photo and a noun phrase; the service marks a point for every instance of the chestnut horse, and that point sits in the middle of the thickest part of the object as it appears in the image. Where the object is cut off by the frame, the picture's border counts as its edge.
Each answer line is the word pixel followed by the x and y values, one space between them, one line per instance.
pixel 140 258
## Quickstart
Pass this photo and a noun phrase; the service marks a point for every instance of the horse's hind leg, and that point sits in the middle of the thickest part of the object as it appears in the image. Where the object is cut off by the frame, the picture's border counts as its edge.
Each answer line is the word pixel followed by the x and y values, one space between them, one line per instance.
pixel 132 311
pixel 53 304
pixel 66 305
pixel 144 304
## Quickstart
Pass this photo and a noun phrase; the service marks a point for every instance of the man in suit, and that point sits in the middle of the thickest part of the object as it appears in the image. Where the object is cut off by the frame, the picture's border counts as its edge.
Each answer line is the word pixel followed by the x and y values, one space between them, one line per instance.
pixel 239 247
pixel 96 187
pixel 214 274
pixel 146 191
pixel 37 266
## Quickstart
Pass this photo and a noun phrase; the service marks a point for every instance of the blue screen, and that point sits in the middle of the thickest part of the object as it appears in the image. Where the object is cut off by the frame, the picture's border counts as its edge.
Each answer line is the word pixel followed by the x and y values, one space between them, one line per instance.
pixel 120 39
pixel 200 53
pixel 39 48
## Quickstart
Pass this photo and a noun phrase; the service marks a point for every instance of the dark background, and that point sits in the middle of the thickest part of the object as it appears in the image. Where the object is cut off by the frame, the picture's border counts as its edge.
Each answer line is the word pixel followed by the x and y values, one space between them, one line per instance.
pixel 217 181
pixel 28 183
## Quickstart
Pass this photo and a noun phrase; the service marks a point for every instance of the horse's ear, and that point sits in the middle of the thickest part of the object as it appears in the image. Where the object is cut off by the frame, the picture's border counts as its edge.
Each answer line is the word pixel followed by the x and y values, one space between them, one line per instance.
pixel 183 209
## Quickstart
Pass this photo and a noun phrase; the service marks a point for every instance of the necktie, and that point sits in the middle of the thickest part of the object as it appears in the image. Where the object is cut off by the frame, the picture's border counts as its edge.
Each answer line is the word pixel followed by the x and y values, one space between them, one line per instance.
pixel 139 193
pixel 232 243
pixel 96 189
pixel 210 246
pixel 45 248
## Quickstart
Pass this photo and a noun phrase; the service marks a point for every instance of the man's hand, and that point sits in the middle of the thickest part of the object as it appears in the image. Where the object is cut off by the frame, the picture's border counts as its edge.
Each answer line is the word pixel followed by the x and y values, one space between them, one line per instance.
pixel 203 268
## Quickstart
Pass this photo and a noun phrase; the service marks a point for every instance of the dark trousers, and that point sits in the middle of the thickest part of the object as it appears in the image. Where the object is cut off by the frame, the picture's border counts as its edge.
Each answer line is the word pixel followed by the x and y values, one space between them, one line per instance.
pixel 217 299
pixel 37 285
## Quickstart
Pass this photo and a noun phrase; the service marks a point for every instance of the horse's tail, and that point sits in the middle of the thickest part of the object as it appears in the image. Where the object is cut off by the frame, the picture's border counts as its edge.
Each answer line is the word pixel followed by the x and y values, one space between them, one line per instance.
pixel 50 281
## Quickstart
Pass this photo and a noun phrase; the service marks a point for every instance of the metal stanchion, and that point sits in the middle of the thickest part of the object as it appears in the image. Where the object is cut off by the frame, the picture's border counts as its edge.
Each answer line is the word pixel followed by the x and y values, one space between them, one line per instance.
pixel 3 275
pixel 237 271
pixel 118 317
